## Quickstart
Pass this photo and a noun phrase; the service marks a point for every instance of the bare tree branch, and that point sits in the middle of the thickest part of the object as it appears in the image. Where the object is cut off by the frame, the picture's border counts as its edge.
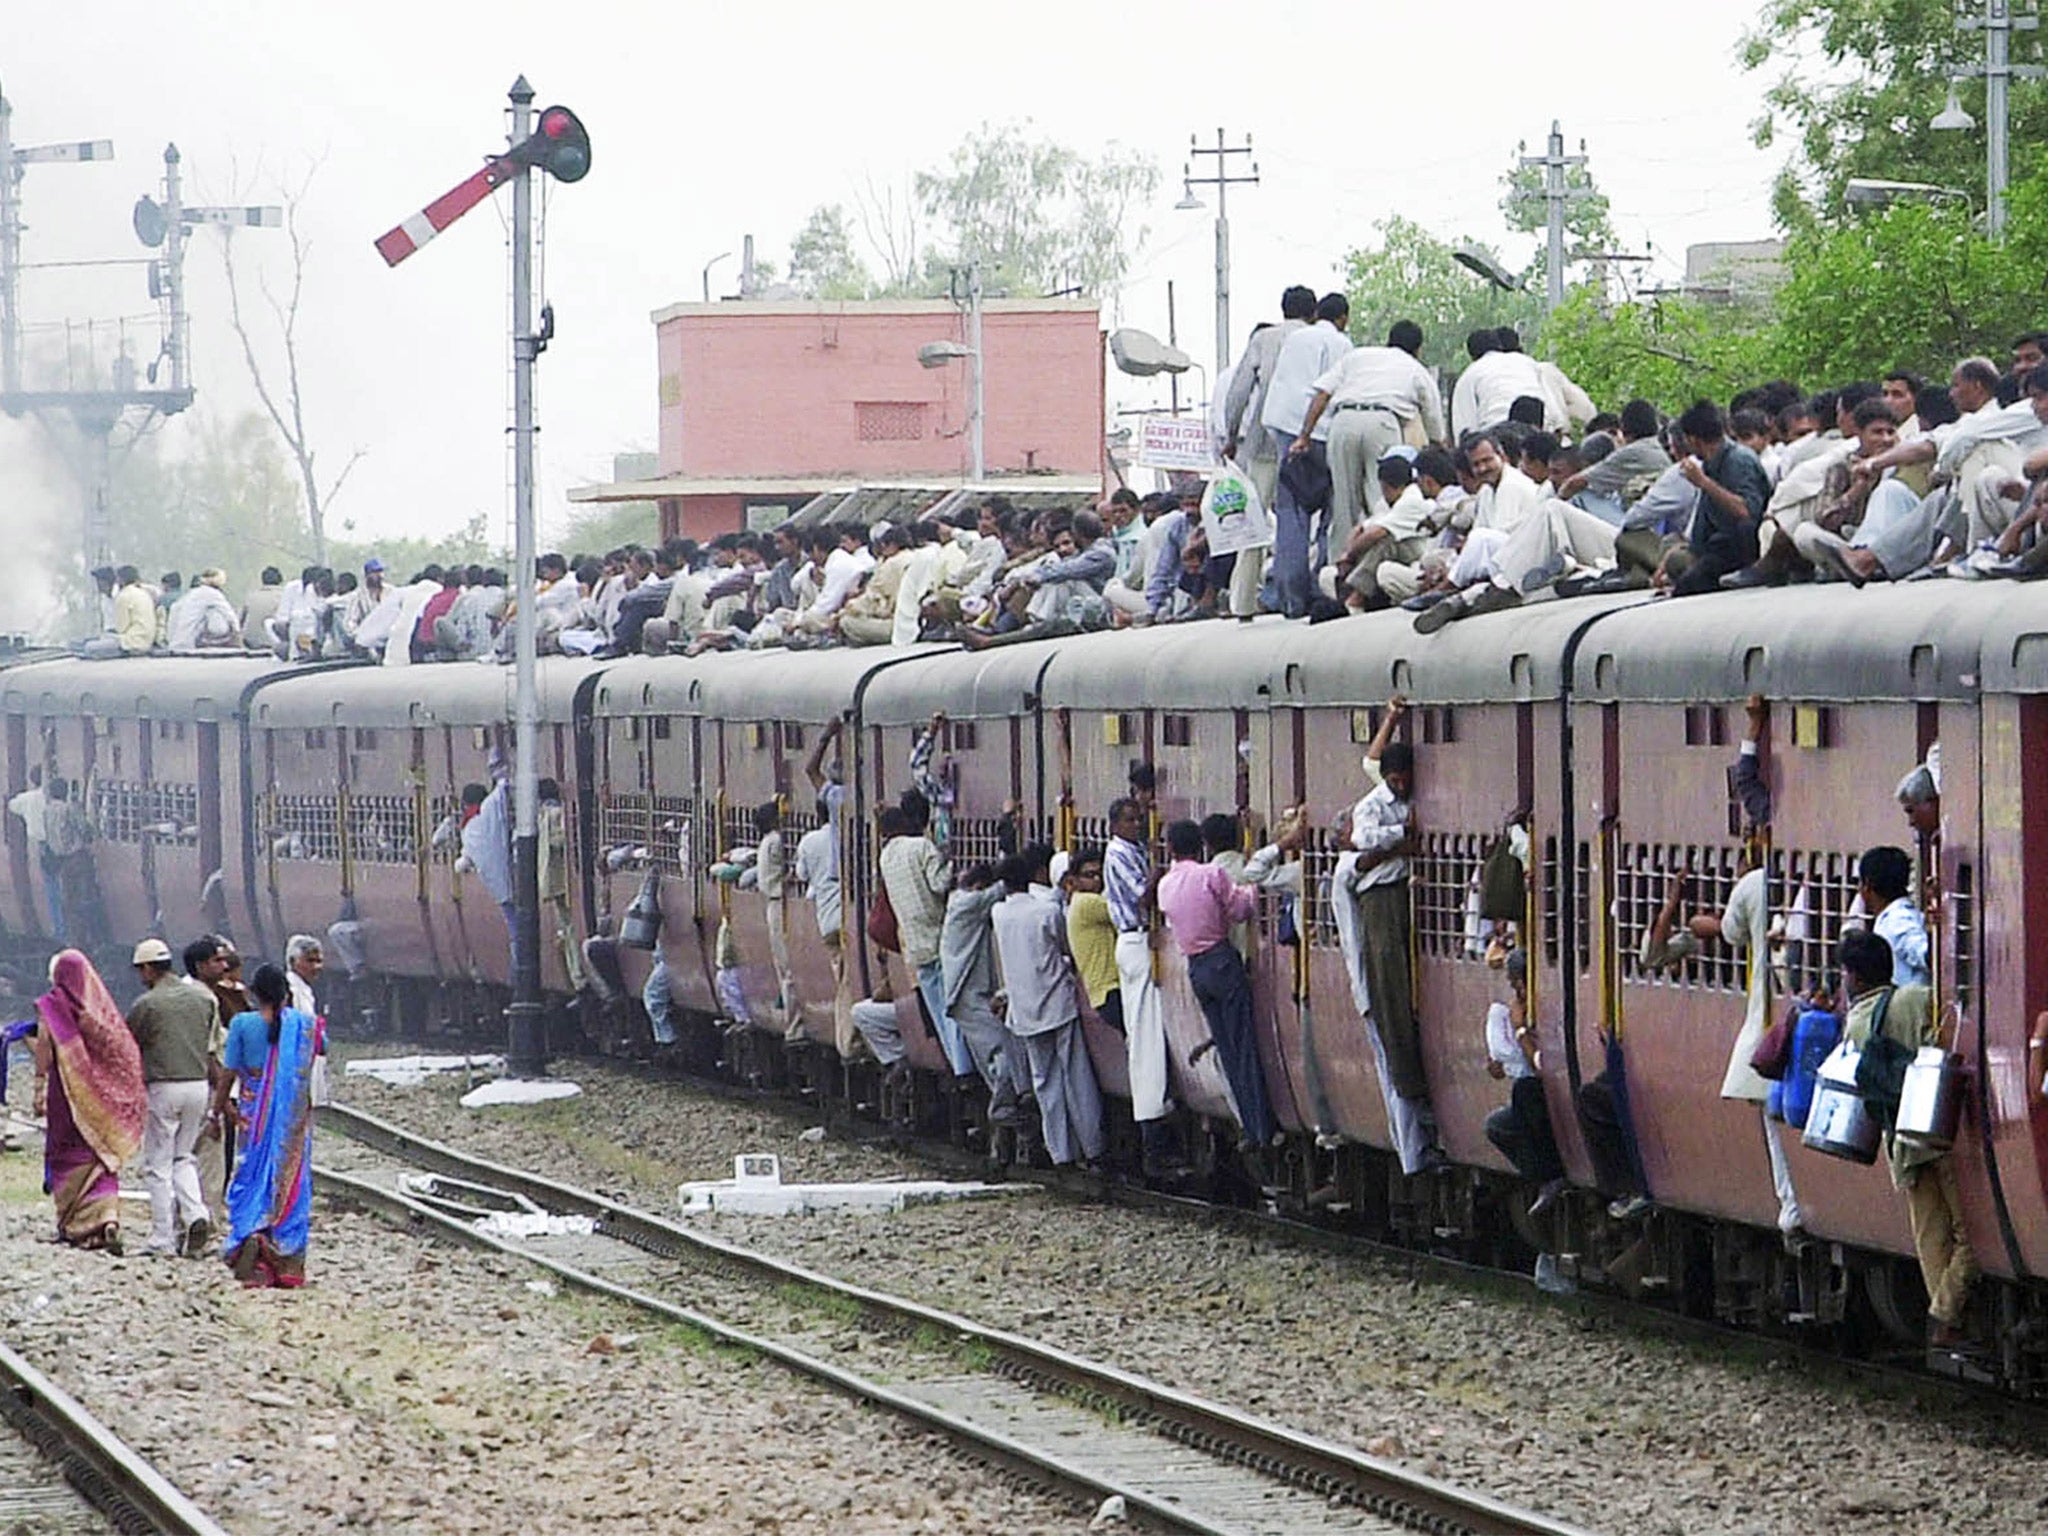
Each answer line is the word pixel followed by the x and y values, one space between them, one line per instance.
pixel 286 406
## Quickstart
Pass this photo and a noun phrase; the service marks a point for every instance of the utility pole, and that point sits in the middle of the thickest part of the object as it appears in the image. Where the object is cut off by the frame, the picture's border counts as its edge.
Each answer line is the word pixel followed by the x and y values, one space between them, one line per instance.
pixel 1172 340
pixel 527 1054
pixel 978 408
pixel 1556 196
pixel 1998 23
pixel 1222 181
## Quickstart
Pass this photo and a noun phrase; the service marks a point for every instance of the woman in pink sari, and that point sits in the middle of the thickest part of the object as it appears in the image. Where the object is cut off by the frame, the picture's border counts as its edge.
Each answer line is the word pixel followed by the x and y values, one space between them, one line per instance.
pixel 89 1089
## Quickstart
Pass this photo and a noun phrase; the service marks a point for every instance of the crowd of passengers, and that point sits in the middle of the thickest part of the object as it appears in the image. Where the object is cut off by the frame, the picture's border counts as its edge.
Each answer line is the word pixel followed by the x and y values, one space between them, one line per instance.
pixel 1378 495
pixel 1008 956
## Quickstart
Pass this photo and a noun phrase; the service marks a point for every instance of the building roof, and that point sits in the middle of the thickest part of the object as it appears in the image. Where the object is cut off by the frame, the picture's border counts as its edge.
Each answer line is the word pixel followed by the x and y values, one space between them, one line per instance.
pixel 839 499
pixel 742 309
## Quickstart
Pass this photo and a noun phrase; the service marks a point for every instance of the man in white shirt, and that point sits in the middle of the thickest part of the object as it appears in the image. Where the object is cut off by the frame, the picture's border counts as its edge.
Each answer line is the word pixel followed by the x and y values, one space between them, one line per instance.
pixel 844 568
pixel 1397 532
pixel 1377 397
pixel 1495 379
pixel 1303 489
pixel 1043 1007
pixel 1507 501
pixel 204 618
pixel 1244 404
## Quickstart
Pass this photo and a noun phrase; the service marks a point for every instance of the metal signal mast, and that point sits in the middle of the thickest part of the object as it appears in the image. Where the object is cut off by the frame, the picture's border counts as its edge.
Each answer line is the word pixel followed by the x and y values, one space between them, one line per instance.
pixel 559 146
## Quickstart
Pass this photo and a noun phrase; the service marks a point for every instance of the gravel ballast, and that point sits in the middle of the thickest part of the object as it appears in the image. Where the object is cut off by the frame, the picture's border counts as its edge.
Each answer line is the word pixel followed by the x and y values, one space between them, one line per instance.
pixel 1603 1424
pixel 415 1387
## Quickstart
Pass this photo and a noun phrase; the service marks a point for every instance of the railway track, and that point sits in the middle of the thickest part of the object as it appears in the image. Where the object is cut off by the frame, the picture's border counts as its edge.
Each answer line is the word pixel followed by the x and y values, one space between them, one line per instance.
pixel 1179 1463
pixel 62 1471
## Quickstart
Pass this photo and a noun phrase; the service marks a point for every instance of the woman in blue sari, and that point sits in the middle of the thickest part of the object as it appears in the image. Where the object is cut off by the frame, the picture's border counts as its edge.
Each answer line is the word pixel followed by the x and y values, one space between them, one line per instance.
pixel 269 1058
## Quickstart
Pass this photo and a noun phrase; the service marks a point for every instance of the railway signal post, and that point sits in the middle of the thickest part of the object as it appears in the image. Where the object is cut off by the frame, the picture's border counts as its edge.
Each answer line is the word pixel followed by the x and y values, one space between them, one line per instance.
pixel 560 146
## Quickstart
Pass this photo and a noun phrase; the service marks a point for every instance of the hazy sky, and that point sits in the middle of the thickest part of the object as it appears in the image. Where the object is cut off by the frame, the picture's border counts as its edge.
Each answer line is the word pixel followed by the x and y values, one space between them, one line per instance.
pixel 712 121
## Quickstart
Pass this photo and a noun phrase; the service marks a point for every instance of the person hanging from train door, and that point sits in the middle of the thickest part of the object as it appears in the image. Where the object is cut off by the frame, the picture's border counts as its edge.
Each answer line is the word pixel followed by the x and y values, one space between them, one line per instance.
pixel 918 878
pixel 1128 886
pixel 968 968
pixel 1926 1176
pixel 1884 904
pixel 1370 897
pixel 553 876
pixel 1201 903
pixel 1744 925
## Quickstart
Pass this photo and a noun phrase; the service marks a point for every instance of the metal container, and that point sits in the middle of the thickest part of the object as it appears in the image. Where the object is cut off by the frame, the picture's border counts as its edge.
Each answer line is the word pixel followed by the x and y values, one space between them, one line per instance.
pixel 642 926
pixel 1838 1124
pixel 1931 1103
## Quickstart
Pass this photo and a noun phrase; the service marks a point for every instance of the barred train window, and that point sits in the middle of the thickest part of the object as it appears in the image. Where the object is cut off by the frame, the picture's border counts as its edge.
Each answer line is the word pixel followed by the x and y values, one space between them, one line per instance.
pixel 671 838
pixel 164 813
pixel 1445 886
pixel 306 827
pixel 383 829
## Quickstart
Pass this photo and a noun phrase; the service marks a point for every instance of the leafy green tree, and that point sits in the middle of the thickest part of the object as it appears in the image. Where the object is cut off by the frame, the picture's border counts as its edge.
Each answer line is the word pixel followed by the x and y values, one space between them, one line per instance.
pixel 1913 285
pixel 1411 275
pixel 822 260
pixel 1666 349
pixel 1037 216
pixel 1856 84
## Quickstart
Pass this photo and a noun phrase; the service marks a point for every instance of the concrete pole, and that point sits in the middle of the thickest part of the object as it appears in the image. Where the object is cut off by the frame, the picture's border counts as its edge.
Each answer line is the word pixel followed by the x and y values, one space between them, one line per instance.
pixel 174 262
pixel 1553 193
pixel 527 1048
pixel 1222 258
pixel 979 363
pixel 1997 72
pixel 10 255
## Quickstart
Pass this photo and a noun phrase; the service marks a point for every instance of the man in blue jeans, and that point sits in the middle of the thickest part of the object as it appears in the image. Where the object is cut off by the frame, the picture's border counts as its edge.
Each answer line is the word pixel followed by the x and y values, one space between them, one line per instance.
pixel 1201 902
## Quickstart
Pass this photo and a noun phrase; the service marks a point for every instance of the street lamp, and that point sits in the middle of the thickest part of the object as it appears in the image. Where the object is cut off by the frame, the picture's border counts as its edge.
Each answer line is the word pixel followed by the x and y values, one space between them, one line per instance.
pixel 1870 192
pixel 1952 118
pixel 1998 25
pixel 1480 263
pixel 1222 181
pixel 938 354
pixel 714 261
pixel 1141 354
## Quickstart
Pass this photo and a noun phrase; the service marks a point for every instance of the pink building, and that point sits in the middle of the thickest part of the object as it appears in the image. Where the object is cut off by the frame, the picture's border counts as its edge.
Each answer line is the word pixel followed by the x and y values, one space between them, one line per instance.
pixel 766 404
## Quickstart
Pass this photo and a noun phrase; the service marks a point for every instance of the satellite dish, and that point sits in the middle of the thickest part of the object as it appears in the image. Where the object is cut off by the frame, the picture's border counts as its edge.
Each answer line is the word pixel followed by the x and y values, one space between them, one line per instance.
pixel 150 224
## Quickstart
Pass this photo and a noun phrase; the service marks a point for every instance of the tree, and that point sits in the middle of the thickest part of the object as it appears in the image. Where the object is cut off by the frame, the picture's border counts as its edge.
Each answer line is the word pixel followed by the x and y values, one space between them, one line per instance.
pixel 284 401
pixel 1858 83
pixel 1037 216
pixel 889 224
pixel 1666 349
pixel 822 263
pixel 1413 276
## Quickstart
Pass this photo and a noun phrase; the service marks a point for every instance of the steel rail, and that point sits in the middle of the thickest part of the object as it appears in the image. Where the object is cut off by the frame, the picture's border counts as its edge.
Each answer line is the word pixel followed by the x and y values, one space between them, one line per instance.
pixel 1375 1487
pixel 130 1492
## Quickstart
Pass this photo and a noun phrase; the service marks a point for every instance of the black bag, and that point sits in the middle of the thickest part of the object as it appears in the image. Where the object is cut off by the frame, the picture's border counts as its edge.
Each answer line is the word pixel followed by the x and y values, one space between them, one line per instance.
pixel 1503 895
pixel 1772 1057
pixel 1881 1069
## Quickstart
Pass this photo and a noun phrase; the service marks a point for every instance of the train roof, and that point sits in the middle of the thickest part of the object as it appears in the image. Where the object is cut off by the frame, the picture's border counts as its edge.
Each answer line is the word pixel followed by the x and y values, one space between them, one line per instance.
pixel 967 685
pixel 1183 666
pixel 436 693
pixel 2013 657
pixel 1917 640
pixel 750 685
pixel 136 687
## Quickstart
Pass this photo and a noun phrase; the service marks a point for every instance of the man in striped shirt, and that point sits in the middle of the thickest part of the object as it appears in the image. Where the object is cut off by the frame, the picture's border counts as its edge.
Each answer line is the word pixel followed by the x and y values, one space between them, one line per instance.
pixel 1127 885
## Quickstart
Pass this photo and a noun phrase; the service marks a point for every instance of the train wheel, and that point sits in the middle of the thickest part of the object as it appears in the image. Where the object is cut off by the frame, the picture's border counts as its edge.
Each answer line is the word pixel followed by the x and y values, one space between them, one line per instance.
pixel 1897 1299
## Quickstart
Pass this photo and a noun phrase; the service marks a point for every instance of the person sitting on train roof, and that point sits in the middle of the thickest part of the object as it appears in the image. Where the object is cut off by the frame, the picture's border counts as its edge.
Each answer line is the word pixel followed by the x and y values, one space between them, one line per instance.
pixel 134 631
pixel 869 616
pixel 1934 1202
pixel 1059 595
pixel 1884 880
pixel 204 619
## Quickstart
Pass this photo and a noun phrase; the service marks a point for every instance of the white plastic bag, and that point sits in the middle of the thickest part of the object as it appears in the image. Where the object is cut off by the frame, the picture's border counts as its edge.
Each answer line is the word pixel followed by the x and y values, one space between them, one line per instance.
pixel 1233 517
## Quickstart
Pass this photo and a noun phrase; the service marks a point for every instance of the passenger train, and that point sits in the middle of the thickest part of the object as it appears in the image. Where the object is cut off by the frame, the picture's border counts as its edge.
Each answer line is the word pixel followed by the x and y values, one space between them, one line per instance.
pixel 238 794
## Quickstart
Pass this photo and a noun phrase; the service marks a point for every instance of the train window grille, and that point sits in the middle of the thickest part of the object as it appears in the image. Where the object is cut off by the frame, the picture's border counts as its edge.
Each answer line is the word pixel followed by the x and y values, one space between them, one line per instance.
pixel 1706 725
pixel 365 740
pixel 1812 892
pixel 1320 851
pixel 625 820
pixel 163 813
pixel 316 741
pixel 1444 882
pixel 1582 906
pixel 1176 730
pixel 671 837
pixel 306 827
pixel 1551 887
pixel 663 726
pixel 1959 909
pixel 962 736
pixel 1439 727
pixel 978 840
pixel 735 830
pixel 170 730
pixel 383 829
pixel 444 815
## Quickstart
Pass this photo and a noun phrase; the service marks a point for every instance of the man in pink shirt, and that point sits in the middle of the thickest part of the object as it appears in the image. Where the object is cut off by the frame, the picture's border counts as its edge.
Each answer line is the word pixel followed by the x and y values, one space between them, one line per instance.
pixel 1200 902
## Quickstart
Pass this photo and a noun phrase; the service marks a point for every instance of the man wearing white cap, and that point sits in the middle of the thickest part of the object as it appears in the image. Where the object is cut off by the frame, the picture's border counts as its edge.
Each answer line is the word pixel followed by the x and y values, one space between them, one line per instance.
pixel 174 1025
pixel 204 619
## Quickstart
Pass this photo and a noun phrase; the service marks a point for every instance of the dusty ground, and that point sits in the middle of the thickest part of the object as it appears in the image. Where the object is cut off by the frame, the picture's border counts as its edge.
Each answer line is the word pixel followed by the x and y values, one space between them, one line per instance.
pixel 1605 1426
pixel 418 1388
